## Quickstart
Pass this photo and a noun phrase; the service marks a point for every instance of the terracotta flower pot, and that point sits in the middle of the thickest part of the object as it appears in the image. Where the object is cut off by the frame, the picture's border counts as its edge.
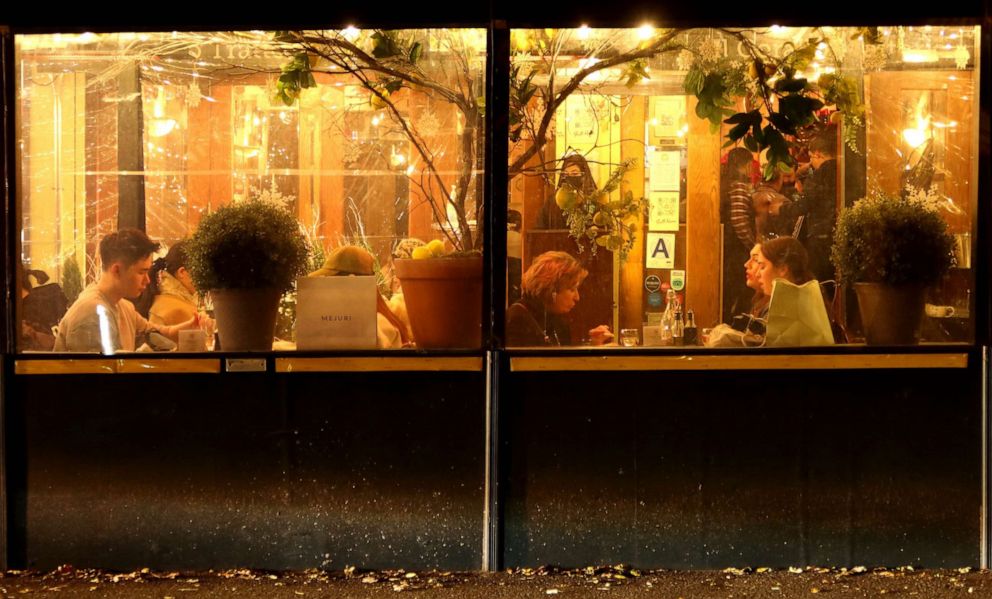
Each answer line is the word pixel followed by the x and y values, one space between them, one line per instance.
pixel 890 315
pixel 246 318
pixel 444 300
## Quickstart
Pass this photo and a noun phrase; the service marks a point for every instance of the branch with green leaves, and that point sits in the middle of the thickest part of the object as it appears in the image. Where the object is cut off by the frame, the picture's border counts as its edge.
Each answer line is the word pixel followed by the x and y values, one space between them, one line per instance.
pixel 786 101
pixel 783 101
pixel 595 219
pixel 393 63
pixel 553 99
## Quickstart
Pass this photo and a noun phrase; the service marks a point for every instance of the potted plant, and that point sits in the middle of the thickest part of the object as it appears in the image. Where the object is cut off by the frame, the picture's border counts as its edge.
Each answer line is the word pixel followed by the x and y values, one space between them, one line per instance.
pixel 443 295
pixel 442 289
pixel 892 248
pixel 246 255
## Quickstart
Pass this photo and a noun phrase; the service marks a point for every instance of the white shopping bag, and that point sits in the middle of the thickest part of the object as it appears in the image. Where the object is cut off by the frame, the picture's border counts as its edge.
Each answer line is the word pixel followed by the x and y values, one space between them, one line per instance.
pixel 797 316
pixel 336 313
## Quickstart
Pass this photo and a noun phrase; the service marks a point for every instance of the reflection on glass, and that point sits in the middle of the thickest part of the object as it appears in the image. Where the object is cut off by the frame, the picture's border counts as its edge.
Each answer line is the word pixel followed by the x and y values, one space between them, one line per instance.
pixel 373 139
pixel 731 138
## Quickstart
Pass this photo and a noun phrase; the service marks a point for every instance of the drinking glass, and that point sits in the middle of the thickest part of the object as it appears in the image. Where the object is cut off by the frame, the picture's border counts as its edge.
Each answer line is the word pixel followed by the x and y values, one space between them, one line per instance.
pixel 629 337
pixel 208 326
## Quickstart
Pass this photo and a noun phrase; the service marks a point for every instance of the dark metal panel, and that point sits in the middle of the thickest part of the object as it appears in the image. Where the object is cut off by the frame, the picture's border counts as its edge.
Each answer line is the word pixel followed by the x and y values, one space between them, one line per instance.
pixel 267 471
pixel 499 148
pixel 717 469
pixel 8 165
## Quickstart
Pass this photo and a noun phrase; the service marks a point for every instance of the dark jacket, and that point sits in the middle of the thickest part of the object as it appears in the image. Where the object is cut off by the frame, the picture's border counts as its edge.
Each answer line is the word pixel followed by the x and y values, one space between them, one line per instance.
pixel 551 216
pixel 528 323
pixel 818 203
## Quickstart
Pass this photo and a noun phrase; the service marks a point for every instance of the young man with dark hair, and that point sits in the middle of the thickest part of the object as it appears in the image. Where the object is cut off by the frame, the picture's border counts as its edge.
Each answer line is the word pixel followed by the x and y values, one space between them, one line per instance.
pixel 818 204
pixel 102 319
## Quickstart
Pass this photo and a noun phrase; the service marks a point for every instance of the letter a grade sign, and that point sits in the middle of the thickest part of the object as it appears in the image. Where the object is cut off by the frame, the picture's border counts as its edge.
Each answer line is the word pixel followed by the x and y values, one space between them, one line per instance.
pixel 660 251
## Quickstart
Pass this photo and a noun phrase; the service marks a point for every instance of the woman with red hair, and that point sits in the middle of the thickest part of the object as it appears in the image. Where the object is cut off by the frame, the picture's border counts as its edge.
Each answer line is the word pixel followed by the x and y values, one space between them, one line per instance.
pixel 550 290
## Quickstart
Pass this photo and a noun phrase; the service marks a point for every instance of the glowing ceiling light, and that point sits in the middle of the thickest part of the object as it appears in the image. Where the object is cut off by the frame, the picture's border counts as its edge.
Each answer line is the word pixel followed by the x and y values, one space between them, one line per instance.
pixel 919 56
pixel 584 32
pixel 645 31
pixel 351 33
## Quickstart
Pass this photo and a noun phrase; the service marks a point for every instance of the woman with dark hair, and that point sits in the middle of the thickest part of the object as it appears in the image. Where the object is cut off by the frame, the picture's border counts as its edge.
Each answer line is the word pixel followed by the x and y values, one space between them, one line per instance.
pixel 550 291
pixel 737 216
pixel 782 258
pixel 576 173
pixel 173 297
pixel 759 301
pixel 779 258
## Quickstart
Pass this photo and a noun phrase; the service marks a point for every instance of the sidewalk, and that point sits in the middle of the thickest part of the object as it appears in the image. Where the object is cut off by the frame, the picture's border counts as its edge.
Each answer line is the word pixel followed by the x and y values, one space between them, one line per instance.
pixel 613 582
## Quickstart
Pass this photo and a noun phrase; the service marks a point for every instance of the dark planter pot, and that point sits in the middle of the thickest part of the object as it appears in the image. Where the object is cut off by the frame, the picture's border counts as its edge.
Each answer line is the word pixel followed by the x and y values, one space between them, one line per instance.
pixel 246 318
pixel 890 314
pixel 444 300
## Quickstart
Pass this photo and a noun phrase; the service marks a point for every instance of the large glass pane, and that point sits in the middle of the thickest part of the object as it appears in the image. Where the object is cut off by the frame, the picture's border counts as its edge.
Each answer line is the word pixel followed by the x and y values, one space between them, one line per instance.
pixel 367 138
pixel 663 171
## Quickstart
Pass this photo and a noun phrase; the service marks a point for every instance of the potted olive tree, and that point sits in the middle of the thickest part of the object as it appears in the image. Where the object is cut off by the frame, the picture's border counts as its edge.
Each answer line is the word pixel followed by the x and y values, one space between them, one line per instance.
pixel 443 287
pixel 892 248
pixel 246 255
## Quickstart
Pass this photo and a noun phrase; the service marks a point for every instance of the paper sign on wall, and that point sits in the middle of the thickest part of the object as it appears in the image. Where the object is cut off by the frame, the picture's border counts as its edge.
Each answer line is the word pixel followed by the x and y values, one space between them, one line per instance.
pixel 581 121
pixel 665 170
pixel 667 115
pixel 660 251
pixel 664 211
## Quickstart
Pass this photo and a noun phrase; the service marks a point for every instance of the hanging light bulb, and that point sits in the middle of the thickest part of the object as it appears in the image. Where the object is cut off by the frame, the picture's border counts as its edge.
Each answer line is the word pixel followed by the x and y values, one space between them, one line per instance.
pixel 159 125
pixel 158 108
pixel 918 135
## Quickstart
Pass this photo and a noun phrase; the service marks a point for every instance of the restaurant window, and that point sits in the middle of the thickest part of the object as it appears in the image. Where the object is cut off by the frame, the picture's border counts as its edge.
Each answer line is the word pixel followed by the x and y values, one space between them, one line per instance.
pixel 372 141
pixel 750 178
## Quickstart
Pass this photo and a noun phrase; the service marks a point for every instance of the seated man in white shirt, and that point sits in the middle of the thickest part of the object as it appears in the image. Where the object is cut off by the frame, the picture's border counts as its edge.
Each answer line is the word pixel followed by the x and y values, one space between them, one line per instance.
pixel 102 319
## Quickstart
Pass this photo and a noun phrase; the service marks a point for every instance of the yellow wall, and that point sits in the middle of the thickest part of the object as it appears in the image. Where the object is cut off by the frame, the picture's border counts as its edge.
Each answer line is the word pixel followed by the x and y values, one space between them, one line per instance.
pixel 54 182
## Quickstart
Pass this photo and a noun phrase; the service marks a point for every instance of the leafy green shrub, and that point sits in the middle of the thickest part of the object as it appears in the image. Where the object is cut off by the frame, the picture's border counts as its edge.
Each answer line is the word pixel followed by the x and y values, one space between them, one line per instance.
pixel 893 240
pixel 249 245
